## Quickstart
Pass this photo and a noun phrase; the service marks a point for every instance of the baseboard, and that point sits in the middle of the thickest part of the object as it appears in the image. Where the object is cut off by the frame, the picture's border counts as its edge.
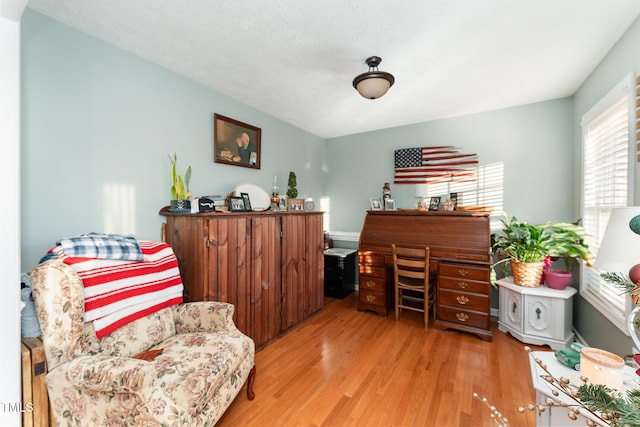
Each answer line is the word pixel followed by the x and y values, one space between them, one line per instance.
pixel 580 339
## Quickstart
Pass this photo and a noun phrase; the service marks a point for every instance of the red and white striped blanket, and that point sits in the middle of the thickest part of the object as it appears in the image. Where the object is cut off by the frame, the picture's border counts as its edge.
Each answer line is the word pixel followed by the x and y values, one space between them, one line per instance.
pixel 117 292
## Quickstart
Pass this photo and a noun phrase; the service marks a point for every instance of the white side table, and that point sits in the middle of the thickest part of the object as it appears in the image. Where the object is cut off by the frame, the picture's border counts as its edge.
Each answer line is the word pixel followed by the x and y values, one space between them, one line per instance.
pixel 540 315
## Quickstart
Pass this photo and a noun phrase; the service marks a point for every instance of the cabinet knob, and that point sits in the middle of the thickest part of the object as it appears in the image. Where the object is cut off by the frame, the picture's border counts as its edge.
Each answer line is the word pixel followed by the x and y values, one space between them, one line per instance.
pixel 462 299
pixel 463 285
pixel 370 283
pixel 371 298
pixel 463 272
pixel 462 317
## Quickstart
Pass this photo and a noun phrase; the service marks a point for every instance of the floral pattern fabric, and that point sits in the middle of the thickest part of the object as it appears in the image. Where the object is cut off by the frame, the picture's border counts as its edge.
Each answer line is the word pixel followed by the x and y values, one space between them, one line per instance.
pixel 204 362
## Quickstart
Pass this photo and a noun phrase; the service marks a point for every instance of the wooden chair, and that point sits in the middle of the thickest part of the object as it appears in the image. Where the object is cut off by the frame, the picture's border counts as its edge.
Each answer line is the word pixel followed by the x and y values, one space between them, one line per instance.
pixel 411 280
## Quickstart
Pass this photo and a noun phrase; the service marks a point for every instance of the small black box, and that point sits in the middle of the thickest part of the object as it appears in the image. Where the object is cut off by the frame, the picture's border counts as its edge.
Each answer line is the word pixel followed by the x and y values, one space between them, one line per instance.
pixel 206 205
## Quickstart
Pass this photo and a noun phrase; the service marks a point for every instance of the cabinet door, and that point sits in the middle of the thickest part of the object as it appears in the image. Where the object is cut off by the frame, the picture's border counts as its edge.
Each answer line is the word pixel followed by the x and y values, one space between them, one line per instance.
pixel 511 310
pixel 314 256
pixel 265 281
pixel 229 258
pixel 538 317
pixel 293 270
pixel 302 267
pixel 187 237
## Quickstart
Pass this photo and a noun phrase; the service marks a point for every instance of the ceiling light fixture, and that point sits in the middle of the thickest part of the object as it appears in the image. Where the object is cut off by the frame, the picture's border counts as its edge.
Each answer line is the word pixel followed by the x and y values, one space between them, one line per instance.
pixel 373 84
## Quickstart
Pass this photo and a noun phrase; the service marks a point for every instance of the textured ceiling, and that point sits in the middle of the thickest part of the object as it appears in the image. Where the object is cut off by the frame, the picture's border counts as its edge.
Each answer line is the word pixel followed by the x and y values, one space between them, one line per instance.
pixel 296 59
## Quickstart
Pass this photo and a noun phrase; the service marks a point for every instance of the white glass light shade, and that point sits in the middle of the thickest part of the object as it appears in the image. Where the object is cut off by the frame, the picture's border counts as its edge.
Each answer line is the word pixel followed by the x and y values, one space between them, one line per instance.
pixel 373 87
pixel 373 84
pixel 620 246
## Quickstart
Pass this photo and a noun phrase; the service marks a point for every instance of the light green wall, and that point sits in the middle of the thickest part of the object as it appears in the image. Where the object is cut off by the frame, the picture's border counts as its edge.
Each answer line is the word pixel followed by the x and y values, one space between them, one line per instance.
pixel 534 142
pixel 97 125
pixel 623 59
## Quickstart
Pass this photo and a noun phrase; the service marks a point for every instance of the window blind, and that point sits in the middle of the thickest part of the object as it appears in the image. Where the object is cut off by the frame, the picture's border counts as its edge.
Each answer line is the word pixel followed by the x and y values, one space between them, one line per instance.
pixel 486 190
pixel 606 176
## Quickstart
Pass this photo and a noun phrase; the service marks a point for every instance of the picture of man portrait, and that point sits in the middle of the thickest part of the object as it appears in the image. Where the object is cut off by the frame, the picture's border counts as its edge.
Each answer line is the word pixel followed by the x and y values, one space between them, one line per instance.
pixel 236 143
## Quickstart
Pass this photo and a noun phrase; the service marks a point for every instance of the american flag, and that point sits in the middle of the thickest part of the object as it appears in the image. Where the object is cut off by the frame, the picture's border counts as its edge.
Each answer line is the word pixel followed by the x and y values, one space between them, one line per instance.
pixel 430 165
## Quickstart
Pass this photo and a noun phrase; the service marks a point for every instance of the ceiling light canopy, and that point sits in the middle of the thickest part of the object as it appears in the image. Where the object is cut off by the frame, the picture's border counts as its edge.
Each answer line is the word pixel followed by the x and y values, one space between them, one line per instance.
pixel 373 84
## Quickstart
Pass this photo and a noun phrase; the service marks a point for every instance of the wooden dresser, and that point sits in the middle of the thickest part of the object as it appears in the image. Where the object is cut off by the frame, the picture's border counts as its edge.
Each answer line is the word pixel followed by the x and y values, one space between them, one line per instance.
pixel 460 261
pixel 270 265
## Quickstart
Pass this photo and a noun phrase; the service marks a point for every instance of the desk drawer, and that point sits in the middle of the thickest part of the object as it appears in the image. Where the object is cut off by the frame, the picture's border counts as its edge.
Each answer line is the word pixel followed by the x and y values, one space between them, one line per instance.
pixel 463 317
pixel 372 298
pixel 464 271
pixel 369 283
pixel 371 270
pixel 371 258
pixel 458 284
pixel 464 300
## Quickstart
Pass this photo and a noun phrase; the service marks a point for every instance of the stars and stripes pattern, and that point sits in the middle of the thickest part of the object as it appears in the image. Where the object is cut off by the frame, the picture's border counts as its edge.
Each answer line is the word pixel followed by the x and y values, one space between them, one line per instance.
pixel 431 165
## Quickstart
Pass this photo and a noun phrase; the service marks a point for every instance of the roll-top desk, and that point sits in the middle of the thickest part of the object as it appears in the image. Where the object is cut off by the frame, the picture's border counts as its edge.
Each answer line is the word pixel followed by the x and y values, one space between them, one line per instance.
pixel 460 262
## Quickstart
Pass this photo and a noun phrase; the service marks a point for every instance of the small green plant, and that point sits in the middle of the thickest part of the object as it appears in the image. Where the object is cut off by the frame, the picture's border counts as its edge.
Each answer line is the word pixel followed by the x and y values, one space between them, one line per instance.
pixel 178 185
pixel 292 192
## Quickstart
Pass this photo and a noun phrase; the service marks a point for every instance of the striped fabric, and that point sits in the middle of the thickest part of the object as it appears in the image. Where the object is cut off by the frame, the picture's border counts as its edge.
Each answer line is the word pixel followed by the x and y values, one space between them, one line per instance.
pixel 431 165
pixel 118 292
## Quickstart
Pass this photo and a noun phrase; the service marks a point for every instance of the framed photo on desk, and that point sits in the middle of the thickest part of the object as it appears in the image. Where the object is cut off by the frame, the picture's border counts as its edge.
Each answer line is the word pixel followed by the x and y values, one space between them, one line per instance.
pixel 389 205
pixel 376 205
pixel 434 204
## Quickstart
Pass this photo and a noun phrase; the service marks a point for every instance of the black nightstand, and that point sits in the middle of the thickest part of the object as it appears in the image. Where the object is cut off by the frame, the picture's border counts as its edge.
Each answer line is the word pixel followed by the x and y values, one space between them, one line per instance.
pixel 339 272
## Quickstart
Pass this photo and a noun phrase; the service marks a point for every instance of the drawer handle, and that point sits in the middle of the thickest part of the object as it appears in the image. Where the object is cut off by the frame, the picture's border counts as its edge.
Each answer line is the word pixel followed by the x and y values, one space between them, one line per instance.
pixel 371 298
pixel 370 284
pixel 462 299
pixel 462 317
pixel 463 272
pixel 463 285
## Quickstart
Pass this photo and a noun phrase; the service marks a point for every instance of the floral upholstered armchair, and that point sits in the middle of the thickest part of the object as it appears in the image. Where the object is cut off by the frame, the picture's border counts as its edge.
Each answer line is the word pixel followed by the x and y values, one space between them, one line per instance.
pixel 180 366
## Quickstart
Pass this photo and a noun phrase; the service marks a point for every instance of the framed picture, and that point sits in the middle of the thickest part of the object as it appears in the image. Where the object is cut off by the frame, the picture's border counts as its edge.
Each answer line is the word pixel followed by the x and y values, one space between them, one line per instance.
pixel 247 201
pixel 389 205
pixel 434 204
pixel 296 204
pixel 236 204
pixel 282 202
pixel 376 205
pixel 454 197
pixel 236 143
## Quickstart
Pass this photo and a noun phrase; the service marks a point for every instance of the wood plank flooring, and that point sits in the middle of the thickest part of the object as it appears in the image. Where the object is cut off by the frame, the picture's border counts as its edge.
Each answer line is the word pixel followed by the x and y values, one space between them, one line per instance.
pixel 348 368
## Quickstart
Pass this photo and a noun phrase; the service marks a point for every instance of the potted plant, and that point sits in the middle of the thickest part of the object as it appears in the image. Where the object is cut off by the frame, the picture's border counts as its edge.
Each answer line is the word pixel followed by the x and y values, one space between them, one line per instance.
pixel 292 191
pixel 180 193
pixel 525 246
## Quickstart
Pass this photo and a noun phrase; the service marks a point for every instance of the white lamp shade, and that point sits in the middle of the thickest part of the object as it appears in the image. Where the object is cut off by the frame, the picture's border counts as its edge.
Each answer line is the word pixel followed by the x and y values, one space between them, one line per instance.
pixel 373 87
pixel 620 246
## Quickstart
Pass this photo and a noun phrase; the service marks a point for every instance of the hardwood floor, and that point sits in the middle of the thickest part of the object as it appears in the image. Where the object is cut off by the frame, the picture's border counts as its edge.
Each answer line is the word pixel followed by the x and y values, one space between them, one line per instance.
pixel 348 368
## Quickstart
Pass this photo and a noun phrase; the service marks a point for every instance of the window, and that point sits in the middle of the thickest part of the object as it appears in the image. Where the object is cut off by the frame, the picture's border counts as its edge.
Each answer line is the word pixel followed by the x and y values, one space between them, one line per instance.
pixel 486 190
pixel 606 184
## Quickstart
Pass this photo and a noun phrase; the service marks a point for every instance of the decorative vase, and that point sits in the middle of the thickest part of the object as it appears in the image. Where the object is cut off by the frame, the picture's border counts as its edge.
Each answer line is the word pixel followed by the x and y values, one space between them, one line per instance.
pixel 527 274
pixel 557 279
pixel 180 205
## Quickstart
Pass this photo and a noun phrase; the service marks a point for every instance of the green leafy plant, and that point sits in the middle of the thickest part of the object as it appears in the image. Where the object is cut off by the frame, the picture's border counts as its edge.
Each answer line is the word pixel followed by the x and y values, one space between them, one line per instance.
pixel 178 185
pixel 292 191
pixel 524 242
